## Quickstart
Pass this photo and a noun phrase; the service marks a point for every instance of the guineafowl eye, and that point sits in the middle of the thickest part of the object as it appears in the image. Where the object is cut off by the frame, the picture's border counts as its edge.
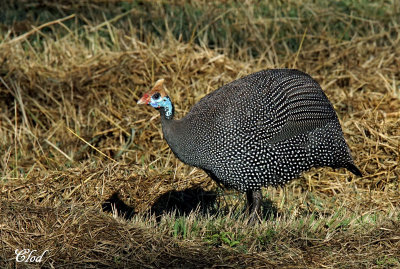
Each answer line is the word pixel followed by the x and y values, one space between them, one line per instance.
pixel 156 96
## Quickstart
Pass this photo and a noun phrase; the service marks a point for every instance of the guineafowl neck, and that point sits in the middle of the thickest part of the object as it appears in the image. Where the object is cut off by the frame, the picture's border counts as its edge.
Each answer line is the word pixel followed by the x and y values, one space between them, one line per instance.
pixel 175 133
pixel 184 137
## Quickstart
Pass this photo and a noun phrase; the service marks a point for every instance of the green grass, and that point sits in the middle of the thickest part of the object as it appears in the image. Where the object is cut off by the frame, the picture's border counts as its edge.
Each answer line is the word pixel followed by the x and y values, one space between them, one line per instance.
pixel 228 25
pixel 232 233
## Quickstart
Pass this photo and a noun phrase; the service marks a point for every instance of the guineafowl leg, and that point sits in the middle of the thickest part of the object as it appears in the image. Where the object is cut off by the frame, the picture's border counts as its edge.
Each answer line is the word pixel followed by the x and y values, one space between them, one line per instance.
pixel 254 198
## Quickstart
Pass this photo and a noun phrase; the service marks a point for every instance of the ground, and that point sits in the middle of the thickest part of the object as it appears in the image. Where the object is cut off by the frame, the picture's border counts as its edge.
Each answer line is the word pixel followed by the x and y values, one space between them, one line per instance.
pixel 88 181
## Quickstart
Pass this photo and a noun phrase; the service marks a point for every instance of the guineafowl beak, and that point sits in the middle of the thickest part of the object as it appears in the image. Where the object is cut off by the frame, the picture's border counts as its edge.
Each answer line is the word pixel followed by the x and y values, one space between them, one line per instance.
pixel 144 100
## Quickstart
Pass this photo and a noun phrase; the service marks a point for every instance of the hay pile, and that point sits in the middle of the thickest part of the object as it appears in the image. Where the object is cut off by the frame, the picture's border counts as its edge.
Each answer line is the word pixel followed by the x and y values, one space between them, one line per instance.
pixel 57 91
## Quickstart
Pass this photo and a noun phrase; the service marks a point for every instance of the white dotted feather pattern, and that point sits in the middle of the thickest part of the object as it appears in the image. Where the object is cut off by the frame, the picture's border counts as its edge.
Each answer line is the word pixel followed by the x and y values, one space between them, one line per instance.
pixel 263 129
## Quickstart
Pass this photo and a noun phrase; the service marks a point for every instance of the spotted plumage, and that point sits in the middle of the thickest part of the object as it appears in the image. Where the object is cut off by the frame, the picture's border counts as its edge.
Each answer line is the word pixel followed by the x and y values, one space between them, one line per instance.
pixel 263 129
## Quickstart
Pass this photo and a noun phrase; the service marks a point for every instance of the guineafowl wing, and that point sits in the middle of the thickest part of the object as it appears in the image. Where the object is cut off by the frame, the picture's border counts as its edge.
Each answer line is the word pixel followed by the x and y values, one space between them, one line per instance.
pixel 287 103
pixel 272 105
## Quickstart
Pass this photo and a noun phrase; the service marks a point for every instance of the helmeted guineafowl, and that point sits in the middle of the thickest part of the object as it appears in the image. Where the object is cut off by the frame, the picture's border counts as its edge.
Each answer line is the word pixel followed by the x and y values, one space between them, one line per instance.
pixel 263 129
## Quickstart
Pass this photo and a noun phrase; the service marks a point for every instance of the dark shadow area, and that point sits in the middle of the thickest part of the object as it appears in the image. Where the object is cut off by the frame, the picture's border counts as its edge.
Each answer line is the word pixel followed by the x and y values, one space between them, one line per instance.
pixel 173 202
pixel 115 203
pixel 183 202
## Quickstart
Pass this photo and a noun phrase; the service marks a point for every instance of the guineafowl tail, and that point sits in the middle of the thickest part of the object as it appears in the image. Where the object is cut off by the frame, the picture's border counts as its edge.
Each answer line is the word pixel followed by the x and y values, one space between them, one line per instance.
pixel 352 168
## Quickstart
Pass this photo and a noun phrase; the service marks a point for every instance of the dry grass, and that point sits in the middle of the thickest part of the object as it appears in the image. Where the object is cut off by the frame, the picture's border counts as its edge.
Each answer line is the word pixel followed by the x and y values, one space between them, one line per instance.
pixel 77 78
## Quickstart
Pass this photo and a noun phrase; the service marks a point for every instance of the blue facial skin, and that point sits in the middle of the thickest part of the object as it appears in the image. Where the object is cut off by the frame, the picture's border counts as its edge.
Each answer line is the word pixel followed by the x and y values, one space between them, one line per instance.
pixel 163 102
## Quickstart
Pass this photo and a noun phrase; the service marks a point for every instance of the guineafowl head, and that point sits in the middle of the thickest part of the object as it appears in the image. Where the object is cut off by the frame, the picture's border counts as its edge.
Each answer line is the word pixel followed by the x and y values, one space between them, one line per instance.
pixel 158 98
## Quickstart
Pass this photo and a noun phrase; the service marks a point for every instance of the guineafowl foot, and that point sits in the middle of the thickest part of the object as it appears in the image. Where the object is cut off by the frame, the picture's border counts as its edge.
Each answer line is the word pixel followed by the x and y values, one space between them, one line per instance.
pixel 254 199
